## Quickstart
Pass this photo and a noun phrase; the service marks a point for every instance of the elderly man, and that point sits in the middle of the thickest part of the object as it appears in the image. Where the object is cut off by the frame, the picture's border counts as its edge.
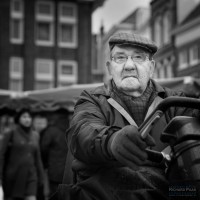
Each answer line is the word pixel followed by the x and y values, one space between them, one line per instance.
pixel 109 157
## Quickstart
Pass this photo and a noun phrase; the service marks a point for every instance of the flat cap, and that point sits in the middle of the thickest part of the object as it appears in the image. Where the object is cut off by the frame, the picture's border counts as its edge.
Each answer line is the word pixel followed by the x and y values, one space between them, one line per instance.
pixel 132 39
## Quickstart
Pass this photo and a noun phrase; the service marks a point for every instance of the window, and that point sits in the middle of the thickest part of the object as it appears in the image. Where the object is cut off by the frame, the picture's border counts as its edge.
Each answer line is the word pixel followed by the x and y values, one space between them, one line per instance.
pixel 166 28
pixel 158 70
pixel 67 69
pixel 16 21
pixel 44 23
pixel 157 31
pixel 168 67
pixel 16 74
pixel 42 85
pixel 169 71
pixel 183 59
pixel 194 51
pixel 44 74
pixel 17 6
pixel 155 75
pixel 162 71
pixel 67 72
pixel 67 25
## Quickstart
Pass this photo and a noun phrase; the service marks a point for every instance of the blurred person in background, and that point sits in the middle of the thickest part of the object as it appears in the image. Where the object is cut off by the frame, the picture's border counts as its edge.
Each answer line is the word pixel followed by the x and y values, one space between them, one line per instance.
pixel 6 121
pixel 39 124
pixel 54 148
pixel 21 169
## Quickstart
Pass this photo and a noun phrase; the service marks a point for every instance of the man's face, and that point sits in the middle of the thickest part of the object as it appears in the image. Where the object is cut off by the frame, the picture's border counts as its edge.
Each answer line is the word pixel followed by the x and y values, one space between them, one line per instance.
pixel 130 76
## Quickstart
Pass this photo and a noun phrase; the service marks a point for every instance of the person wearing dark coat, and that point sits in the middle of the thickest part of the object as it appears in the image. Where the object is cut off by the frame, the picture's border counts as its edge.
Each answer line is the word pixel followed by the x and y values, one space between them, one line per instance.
pixel 54 148
pixel 21 169
pixel 107 158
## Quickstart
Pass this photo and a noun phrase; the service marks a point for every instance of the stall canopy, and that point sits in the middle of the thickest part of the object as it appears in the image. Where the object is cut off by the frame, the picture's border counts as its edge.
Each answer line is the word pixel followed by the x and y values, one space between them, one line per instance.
pixel 5 100
pixel 65 97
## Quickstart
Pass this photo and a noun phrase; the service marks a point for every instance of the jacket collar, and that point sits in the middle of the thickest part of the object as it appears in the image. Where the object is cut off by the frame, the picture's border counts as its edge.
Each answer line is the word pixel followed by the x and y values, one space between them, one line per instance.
pixel 26 135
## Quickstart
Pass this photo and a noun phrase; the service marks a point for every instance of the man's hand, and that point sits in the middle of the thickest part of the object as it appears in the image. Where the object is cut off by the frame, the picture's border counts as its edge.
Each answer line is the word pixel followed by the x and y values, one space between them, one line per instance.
pixel 127 146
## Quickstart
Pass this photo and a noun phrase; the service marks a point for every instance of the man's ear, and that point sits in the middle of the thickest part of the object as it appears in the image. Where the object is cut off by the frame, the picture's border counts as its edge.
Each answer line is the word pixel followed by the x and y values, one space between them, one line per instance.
pixel 108 65
pixel 152 68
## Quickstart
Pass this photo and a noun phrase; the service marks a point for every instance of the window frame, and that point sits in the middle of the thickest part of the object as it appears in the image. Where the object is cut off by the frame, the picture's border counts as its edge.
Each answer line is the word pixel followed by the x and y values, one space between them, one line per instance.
pixel 166 27
pixel 193 61
pixel 68 20
pixel 16 76
pixel 45 18
pixel 158 31
pixel 48 78
pixel 44 77
pixel 65 78
pixel 183 55
pixel 17 15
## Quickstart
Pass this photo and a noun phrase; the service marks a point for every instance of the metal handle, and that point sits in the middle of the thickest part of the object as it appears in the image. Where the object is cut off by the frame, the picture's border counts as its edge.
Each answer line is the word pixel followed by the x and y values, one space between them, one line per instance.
pixel 171 102
pixel 154 156
pixel 147 125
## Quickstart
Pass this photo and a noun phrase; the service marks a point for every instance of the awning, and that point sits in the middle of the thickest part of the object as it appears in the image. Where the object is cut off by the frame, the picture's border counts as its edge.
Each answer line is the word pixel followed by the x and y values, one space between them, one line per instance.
pixel 66 97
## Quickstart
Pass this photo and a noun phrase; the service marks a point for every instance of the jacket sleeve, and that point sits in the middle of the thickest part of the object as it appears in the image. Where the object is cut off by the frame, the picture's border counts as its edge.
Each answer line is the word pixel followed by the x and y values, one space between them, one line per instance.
pixel 38 161
pixel 40 169
pixel 89 131
pixel 5 140
pixel 46 145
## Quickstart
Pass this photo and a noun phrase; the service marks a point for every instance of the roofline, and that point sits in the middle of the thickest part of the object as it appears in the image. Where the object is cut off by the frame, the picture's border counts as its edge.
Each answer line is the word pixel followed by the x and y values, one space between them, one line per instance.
pixel 115 28
pixel 96 3
pixel 186 26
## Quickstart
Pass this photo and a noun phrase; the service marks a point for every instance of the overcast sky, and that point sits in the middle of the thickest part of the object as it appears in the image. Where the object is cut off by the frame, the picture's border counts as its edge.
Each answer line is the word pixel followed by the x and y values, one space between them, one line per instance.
pixel 113 11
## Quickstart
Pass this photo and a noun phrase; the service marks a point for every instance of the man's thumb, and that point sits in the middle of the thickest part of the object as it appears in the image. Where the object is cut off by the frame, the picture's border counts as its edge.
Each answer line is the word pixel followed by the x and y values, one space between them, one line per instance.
pixel 150 141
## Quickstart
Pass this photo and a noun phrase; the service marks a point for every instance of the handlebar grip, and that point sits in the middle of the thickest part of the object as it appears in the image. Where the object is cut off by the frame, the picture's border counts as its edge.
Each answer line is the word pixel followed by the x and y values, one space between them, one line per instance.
pixel 154 156
pixel 175 101
pixel 146 126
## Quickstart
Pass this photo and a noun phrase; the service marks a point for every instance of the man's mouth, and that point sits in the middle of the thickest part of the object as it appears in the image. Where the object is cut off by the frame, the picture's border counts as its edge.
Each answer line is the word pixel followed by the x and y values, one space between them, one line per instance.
pixel 129 76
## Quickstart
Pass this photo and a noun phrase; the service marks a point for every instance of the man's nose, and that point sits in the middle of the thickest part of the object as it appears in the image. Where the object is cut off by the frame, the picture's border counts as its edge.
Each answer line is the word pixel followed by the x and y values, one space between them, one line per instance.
pixel 130 64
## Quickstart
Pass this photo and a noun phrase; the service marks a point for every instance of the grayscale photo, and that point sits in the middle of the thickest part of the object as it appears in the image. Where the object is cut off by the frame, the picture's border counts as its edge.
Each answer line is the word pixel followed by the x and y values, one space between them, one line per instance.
pixel 100 99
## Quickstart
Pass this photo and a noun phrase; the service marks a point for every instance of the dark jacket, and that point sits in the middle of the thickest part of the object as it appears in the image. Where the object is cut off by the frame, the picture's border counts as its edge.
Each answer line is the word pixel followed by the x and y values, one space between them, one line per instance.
pixel 20 162
pixel 93 122
pixel 54 146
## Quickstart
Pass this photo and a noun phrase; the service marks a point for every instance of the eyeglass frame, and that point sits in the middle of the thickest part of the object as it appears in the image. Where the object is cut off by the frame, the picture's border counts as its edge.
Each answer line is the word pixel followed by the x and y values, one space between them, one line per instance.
pixel 147 58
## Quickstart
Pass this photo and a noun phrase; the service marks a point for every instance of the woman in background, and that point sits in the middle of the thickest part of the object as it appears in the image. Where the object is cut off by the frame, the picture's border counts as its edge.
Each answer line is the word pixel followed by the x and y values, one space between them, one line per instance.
pixel 21 169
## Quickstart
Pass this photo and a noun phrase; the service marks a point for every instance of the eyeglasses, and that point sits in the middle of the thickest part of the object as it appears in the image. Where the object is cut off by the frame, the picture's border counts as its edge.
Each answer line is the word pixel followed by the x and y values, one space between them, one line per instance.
pixel 138 58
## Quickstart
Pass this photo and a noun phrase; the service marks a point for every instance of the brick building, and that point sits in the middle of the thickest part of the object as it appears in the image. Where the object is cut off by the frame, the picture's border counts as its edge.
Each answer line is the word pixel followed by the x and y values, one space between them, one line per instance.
pixel 45 43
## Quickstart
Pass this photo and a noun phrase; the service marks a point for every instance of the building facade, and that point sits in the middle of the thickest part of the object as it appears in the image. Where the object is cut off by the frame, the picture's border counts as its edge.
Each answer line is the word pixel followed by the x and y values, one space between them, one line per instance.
pixel 163 20
pixel 97 56
pixel 175 28
pixel 187 38
pixel 45 43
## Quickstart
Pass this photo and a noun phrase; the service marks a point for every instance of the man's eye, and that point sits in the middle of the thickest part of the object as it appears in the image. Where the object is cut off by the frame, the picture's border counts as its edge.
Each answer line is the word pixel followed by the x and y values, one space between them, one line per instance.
pixel 121 57
pixel 138 57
